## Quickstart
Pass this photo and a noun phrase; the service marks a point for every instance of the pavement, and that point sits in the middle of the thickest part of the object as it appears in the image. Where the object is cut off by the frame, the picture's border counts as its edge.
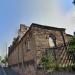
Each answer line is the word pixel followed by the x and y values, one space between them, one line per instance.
pixel 2 72
pixel 7 71
pixel 10 71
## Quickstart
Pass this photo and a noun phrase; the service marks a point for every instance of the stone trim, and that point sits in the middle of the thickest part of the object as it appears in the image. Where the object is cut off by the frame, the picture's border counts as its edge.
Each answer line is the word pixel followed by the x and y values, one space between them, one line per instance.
pixel 47 27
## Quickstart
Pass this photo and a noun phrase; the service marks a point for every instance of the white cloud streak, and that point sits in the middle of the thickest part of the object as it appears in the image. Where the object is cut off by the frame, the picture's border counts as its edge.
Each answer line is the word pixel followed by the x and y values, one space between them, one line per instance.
pixel 49 12
pixel 70 21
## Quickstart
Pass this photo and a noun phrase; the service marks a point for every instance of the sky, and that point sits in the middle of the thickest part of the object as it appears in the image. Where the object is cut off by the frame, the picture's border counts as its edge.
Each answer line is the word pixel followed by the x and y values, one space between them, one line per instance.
pixel 57 13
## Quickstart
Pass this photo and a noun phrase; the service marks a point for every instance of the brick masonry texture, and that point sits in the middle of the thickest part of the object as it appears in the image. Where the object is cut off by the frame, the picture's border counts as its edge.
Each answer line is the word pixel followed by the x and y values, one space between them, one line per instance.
pixel 25 53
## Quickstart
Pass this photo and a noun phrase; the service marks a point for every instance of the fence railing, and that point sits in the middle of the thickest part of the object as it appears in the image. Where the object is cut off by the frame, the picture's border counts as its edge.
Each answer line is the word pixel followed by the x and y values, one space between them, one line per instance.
pixel 62 55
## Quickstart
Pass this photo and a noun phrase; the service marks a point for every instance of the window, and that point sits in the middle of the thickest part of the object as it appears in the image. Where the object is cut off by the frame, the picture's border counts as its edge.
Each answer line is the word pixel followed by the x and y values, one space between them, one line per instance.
pixel 51 42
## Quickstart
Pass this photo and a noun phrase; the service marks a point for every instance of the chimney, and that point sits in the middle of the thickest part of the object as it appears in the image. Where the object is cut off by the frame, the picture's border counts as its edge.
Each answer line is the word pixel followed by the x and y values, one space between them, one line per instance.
pixel 23 29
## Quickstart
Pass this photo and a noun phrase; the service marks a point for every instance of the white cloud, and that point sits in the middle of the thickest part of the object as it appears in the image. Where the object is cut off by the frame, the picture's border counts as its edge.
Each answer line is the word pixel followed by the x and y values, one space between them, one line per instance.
pixel 49 12
pixel 70 21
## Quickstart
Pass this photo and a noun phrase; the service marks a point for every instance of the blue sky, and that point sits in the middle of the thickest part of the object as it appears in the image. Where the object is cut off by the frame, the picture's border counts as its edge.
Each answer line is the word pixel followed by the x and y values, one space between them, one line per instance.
pixel 14 12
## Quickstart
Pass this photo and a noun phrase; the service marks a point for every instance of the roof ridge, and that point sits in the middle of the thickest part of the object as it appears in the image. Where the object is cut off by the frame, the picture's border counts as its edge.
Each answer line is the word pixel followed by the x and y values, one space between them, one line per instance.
pixel 46 27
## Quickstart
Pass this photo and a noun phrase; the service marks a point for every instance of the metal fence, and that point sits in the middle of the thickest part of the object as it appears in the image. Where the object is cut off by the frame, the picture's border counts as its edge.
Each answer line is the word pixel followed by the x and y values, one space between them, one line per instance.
pixel 64 59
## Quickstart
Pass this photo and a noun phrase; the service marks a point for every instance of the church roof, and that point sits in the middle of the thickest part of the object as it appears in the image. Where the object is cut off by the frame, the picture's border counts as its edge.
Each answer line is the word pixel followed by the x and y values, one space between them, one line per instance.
pixel 47 27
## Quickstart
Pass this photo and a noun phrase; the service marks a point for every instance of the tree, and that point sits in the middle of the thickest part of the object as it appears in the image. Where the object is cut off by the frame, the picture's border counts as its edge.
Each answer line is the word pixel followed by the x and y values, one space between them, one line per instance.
pixel 74 2
pixel 4 60
pixel 48 61
pixel 72 51
pixel 0 59
pixel 72 43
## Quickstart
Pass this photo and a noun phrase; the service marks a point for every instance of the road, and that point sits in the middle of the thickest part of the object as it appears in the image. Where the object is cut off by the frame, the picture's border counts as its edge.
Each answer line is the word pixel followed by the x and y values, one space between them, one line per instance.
pixel 7 71
pixel 2 72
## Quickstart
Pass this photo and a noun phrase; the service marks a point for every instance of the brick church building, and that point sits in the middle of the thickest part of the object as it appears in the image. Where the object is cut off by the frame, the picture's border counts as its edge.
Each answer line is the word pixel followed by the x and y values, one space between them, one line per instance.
pixel 26 50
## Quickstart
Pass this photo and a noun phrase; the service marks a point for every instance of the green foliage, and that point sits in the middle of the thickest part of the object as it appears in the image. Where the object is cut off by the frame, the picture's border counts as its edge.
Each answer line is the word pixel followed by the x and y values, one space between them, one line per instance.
pixel 74 2
pixel 4 60
pixel 14 40
pixel 47 61
pixel 72 51
pixel 0 59
pixel 72 43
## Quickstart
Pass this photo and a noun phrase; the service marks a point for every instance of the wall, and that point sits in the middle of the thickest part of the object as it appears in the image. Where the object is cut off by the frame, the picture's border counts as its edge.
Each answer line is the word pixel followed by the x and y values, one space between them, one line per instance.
pixel 42 39
pixel 22 58
pixel 28 52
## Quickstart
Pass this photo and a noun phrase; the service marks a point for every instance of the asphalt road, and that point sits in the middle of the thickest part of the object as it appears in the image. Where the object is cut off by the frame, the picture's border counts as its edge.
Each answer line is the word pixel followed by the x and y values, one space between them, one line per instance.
pixel 7 71
pixel 2 72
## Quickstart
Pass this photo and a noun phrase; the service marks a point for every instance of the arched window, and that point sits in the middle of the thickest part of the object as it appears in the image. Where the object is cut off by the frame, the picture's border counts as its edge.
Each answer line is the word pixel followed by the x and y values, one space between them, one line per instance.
pixel 52 41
